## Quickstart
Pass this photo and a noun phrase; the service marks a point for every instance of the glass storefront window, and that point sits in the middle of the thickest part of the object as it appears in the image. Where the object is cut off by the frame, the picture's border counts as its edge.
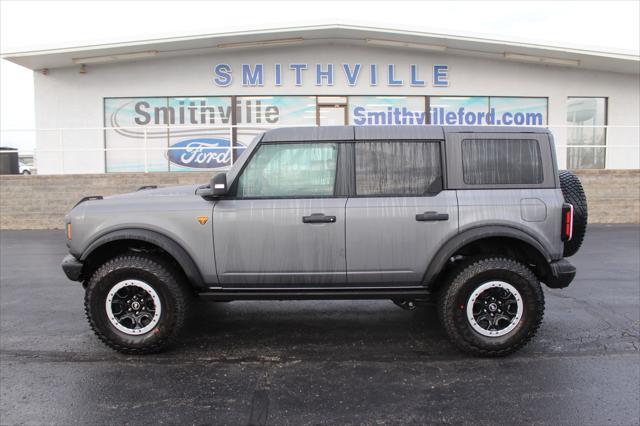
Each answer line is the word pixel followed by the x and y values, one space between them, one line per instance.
pixel 192 133
pixel 519 111
pixel 126 120
pixel 586 118
pixel 458 110
pixel 196 148
pixel 484 110
pixel 257 114
pixel 143 130
pixel 387 110
pixel 195 133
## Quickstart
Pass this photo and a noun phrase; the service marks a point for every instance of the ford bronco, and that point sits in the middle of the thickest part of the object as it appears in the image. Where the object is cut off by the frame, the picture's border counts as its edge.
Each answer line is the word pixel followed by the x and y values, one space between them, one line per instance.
pixel 472 219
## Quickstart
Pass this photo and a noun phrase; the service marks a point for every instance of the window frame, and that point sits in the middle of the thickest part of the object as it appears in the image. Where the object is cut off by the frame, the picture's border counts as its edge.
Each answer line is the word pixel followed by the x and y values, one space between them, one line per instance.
pixel 338 179
pixel 605 131
pixel 442 159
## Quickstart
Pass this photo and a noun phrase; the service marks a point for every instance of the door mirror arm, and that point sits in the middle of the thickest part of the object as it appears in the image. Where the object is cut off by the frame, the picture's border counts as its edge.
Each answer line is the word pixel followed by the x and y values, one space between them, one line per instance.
pixel 204 191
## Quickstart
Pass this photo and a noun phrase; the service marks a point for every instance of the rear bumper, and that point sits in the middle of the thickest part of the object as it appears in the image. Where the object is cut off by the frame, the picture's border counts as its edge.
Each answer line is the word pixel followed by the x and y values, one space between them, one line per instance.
pixel 562 273
pixel 72 267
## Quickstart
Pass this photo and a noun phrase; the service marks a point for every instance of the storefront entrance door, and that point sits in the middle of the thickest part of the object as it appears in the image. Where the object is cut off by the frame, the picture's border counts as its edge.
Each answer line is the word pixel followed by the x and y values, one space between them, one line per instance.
pixel 332 115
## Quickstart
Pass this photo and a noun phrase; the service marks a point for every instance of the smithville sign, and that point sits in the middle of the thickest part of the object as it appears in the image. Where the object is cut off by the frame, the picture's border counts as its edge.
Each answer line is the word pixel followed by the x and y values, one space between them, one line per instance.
pixel 256 74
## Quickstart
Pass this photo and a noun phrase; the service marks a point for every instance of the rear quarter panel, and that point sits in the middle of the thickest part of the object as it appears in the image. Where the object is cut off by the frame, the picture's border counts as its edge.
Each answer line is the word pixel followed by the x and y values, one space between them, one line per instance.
pixel 538 212
pixel 536 209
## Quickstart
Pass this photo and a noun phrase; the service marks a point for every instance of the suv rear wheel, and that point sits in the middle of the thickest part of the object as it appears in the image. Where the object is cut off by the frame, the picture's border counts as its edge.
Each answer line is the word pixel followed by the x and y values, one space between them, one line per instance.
pixel 491 307
pixel 136 304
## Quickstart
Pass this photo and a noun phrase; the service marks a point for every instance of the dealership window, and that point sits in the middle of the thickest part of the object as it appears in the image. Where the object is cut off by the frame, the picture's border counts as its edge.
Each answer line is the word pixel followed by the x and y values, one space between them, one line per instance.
pixel 125 138
pixel 457 110
pixel 513 111
pixel 586 118
pixel 485 110
pixel 193 133
pixel 190 133
pixel 387 110
pixel 396 168
pixel 501 162
pixel 290 170
pixel 159 134
pixel 256 114
pixel 194 142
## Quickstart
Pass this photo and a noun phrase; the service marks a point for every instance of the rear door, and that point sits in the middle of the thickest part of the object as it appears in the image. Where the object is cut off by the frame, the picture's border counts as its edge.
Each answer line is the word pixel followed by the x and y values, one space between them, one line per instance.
pixel 399 215
pixel 285 226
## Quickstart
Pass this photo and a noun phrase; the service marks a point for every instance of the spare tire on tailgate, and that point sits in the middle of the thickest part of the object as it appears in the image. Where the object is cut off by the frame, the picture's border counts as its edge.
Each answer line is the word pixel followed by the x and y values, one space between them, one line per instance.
pixel 574 194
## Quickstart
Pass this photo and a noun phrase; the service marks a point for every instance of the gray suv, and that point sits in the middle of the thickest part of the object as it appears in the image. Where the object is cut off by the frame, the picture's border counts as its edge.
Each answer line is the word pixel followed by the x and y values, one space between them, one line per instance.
pixel 472 219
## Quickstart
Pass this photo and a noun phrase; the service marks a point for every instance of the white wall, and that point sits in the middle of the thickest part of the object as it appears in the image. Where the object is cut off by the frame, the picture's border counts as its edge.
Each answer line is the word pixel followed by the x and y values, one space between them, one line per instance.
pixel 67 99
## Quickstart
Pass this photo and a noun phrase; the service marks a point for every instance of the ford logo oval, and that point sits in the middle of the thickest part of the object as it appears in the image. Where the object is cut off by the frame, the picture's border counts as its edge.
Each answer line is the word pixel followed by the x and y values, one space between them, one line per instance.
pixel 201 153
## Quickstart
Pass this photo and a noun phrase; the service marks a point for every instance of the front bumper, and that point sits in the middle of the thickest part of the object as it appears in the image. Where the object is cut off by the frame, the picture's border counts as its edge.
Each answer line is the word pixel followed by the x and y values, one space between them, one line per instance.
pixel 562 273
pixel 72 267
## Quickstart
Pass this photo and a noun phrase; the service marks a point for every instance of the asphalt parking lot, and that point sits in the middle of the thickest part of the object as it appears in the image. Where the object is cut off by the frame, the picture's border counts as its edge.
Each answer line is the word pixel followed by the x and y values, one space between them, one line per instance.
pixel 320 362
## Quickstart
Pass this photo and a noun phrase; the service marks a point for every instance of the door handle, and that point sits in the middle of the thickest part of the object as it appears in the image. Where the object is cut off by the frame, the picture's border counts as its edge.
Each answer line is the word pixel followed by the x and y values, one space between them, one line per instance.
pixel 432 217
pixel 318 218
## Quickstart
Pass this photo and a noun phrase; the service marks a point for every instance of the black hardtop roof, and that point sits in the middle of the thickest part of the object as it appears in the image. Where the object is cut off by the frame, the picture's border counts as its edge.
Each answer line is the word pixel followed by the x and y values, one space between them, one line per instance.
pixel 349 133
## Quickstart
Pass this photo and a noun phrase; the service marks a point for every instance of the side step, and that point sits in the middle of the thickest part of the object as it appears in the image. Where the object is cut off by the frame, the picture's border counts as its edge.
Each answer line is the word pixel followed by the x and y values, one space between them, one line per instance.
pixel 316 294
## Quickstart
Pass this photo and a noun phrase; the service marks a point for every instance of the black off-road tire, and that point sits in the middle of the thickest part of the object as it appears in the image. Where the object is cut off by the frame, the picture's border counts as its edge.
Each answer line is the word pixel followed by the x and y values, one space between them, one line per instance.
pixel 573 194
pixel 162 277
pixel 454 295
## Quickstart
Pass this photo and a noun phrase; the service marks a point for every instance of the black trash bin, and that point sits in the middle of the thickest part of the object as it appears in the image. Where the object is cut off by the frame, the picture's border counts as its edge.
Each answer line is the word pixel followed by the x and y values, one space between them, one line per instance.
pixel 9 161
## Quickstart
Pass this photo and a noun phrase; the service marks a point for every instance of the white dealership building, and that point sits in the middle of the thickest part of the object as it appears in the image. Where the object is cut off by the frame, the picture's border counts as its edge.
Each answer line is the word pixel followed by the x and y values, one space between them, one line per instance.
pixel 180 104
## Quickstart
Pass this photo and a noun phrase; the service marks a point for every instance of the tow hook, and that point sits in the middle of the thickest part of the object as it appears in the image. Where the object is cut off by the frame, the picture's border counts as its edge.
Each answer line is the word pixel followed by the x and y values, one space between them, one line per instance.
pixel 407 305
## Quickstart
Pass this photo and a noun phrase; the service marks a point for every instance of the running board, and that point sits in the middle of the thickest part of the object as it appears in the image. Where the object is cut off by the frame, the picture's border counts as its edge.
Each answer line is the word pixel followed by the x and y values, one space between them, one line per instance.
pixel 318 294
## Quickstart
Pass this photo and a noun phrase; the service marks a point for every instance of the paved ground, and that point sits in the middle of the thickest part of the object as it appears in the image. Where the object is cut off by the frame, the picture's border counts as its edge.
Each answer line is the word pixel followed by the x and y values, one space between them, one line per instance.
pixel 320 362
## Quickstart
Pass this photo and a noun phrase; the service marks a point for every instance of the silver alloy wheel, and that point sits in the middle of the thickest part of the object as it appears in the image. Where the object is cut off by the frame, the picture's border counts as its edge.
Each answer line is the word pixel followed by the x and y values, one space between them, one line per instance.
pixel 494 308
pixel 133 307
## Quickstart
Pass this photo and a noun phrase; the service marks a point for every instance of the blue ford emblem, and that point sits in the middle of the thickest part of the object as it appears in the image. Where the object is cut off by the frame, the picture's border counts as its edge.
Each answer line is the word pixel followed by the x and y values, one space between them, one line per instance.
pixel 202 153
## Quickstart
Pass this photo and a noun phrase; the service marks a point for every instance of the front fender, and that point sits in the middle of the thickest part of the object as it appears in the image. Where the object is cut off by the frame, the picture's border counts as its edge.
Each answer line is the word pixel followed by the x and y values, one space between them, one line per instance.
pixel 167 244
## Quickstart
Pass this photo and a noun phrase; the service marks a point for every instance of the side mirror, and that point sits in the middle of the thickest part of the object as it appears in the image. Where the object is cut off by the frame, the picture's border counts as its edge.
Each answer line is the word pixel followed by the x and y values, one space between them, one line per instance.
pixel 219 185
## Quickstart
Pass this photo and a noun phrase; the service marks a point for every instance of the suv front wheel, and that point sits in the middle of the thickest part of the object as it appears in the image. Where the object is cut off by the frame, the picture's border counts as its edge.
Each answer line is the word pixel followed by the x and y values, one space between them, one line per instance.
pixel 136 304
pixel 491 307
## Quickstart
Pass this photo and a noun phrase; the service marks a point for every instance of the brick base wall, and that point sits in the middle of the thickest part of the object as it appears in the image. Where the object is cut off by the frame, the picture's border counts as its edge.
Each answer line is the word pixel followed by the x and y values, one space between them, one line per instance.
pixel 40 202
pixel 613 196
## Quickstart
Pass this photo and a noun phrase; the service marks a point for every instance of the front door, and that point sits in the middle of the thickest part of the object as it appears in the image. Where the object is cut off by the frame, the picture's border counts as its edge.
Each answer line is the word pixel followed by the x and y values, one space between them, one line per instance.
pixel 400 215
pixel 283 227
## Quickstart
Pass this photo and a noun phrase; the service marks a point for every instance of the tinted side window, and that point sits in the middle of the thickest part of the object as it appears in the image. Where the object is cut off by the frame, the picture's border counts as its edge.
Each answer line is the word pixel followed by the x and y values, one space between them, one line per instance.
pixel 290 170
pixel 396 168
pixel 501 162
